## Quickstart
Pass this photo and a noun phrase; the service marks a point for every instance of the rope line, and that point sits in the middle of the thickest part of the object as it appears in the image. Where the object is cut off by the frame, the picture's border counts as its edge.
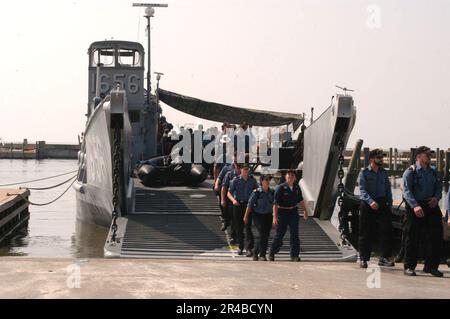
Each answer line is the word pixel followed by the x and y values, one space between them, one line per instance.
pixel 45 204
pixel 49 187
pixel 39 180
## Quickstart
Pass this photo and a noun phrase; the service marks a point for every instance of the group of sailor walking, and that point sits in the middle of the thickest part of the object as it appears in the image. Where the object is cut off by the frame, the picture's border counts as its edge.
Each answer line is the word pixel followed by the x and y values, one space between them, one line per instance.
pixel 245 203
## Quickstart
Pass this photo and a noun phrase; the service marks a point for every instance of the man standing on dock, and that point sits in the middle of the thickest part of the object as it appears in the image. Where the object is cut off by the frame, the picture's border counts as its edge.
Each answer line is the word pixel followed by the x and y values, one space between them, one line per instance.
pixel 285 214
pixel 375 217
pixel 422 192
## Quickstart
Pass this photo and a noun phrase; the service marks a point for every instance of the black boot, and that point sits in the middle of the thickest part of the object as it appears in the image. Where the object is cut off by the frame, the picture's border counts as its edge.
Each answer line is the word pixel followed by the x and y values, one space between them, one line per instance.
pixel 433 272
pixel 409 272
pixel 399 258
pixel 384 262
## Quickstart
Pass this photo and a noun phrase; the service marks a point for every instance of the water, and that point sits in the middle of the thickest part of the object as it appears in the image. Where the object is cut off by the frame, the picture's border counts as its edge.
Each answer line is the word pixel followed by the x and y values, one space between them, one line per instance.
pixel 53 231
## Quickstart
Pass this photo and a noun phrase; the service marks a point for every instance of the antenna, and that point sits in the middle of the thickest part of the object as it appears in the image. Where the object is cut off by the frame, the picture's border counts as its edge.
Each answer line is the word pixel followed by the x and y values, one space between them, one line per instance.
pixel 158 78
pixel 345 89
pixel 149 13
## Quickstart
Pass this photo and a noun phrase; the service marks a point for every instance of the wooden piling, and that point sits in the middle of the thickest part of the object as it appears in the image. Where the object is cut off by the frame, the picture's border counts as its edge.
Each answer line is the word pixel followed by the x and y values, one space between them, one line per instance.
pixel 438 160
pixel 390 159
pixel 395 159
pixel 366 156
pixel 354 167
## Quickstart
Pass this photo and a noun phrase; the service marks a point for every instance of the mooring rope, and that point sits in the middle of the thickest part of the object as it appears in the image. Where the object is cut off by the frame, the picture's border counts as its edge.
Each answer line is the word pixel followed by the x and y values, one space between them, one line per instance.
pixel 39 180
pixel 49 187
pixel 45 204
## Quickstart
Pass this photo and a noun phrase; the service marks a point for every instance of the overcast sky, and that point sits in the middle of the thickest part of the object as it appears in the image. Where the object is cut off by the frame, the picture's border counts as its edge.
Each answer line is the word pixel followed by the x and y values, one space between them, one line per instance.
pixel 277 55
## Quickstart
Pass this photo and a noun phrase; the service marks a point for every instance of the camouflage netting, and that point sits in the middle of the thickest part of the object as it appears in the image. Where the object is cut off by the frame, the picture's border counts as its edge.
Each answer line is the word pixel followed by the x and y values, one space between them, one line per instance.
pixel 223 113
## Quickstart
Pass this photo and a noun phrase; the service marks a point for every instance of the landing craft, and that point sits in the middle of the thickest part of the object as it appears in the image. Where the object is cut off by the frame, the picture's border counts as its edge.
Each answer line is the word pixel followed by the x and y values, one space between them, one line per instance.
pixel 159 217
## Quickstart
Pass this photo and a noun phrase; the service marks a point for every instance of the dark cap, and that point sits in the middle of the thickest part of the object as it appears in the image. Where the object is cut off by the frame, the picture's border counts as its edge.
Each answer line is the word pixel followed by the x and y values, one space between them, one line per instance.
pixel 245 166
pixel 424 149
pixel 264 178
pixel 291 171
pixel 378 152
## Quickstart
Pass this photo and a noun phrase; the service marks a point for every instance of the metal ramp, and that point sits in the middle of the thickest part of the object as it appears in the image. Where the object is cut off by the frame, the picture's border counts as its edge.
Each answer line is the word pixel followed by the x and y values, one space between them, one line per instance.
pixel 184 223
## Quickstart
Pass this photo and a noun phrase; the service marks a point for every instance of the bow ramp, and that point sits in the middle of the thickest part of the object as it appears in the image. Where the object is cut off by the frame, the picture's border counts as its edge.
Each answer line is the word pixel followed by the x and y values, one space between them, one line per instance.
pixel 184 223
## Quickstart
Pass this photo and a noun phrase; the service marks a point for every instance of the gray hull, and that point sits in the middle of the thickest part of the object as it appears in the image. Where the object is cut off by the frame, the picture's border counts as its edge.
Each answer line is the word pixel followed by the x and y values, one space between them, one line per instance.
pixel 94 187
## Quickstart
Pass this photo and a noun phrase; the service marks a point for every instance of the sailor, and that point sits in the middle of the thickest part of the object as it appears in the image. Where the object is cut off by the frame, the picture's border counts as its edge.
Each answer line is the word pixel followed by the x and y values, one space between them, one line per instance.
pixel 259 209
pixel 448 219
pixel 375 217
pixel 285 214
pixel 239 193
pixel 226 203
pixel 422 191
pixel 226 219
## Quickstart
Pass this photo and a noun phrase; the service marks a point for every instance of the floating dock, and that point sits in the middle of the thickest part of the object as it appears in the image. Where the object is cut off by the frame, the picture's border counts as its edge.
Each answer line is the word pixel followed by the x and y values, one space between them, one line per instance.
pixel 184 223
pixel 14 211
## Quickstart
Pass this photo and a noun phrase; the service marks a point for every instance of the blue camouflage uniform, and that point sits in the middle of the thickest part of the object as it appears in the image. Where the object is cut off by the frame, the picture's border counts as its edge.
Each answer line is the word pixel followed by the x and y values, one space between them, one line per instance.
pixel 241 190
pixel 419 185
pixel 287 200
pixel 375 186
pixel 261 204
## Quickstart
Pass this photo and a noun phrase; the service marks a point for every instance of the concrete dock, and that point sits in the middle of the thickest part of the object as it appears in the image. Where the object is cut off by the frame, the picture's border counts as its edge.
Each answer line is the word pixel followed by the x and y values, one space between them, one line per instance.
pixel 103 278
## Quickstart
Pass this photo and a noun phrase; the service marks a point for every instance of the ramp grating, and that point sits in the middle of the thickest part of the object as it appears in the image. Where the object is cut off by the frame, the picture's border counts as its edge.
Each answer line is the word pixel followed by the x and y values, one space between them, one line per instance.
pixel 184 223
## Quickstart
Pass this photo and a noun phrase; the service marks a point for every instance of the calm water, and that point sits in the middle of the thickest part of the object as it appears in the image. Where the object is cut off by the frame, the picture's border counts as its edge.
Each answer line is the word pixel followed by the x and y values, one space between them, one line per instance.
pixel 52 231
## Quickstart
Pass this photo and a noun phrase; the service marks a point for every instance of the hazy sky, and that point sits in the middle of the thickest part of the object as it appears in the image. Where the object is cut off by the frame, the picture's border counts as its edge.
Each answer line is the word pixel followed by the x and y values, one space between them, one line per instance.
pixel 283 55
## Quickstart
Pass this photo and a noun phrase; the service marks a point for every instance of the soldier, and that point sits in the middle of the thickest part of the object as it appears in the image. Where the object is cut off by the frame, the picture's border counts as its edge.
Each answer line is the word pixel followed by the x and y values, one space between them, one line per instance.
pixel 259 209
pixel 226 219
pixel 422 192
pixel 375 217
pixel 285 213
pixel 239 194
pixel 226 203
